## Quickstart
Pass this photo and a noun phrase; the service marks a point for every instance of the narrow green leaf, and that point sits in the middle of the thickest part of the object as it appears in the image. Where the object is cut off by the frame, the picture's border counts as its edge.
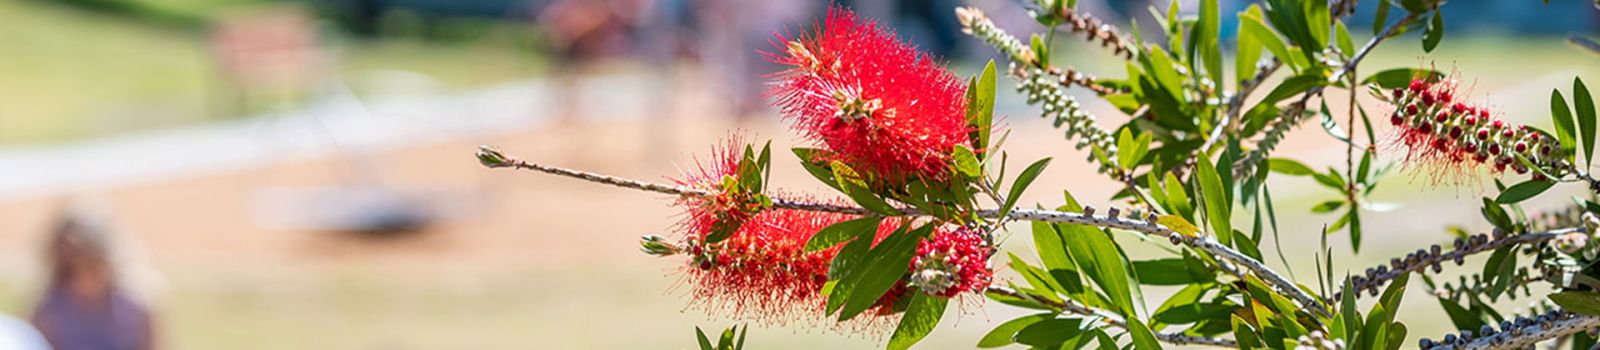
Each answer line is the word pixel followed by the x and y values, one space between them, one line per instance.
pixel 885 265
pixel 1523 191
pixel 1587 303
pixel 1207 43
pixel 980 108
pixel 966 162
pixel 1167 272
pixel 1289 167
pixel 1400 77
pixel 1331 126
pixel 1131 149
pixel 1215 199
pixel 853 186
pixel 1006 333
pixel 1294 86
pixel 1583 103
pixel 1051 332
pixel 1434 32
pixel 1247 52
pixel 1566 128
pixel 705 343
pixel 1341 36
pixel 1102 261
pixel 921 316
pixel 1381 20
pixel 1328 206
pixel 1143 338
pixel 1022 182
pixel 837 233
pixel 1269 39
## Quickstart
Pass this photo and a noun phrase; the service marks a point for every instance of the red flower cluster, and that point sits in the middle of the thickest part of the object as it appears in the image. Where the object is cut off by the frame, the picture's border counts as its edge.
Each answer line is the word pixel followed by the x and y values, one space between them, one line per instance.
pixel 723 207
pixel 762 271
pixel 1439 130
pixel 952 262
pixel 880 105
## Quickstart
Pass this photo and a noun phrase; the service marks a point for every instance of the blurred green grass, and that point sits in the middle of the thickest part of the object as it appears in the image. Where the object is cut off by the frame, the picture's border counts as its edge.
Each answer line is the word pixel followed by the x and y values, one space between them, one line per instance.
pixel 73 73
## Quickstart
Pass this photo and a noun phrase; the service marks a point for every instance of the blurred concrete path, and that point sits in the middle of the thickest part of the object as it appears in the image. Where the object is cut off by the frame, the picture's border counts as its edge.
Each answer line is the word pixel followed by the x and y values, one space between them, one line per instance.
pixel 337 122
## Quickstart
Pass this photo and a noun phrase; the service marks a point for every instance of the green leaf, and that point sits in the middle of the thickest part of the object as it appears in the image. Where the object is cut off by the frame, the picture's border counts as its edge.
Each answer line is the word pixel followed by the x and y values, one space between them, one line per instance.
pixel 705 343
pixel 1050 332
pixel 1005 333
pixel 1587 303
pixel 1289 167
pixel 1382 18
pixel 966 162
pixel 1327 207
pixel 1214 196
pixel 1293 86
pixel 1400 77
pixel 1331 126
pixel 853 186
pixel 1207 44
pixel 1584 105
pixel 1178 196
pixel 1248 51
pixel 1132 149
pixel 1053 252
pixel 921 316
pixel 980 108
pixel 1102 261
pixel 1143 338
pixel 1434 32
pixel 1252 22
pixel 837 233
pixel 1022 182
pixel 1341 36
pixel 1523 191
pixel 1167 272
pixel 884 266
pixel 1566 129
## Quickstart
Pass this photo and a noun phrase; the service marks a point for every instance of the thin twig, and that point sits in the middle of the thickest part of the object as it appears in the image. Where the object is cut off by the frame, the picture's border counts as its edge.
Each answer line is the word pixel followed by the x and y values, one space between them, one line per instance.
pixel 1522 333
pixel 1112 319
pixel 1292 117
pixel 1434 257
pixel 494 159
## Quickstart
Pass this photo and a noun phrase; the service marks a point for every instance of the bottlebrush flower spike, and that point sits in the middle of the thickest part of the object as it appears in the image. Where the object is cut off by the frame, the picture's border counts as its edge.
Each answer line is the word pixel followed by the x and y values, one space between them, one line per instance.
pixel 877 103
pixel 952 262
pixel 1440 130
pixel 727 174
pixel 762 272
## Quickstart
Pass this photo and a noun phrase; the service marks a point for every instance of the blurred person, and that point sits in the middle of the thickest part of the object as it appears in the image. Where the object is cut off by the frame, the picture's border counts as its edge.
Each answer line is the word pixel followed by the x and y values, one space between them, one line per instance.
pixel 582 33
pixel 86 305
pixel 734 31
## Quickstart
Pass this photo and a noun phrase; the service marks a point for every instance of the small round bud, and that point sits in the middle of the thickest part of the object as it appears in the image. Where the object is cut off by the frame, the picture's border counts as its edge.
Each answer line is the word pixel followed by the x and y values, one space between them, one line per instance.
pixel 1417 85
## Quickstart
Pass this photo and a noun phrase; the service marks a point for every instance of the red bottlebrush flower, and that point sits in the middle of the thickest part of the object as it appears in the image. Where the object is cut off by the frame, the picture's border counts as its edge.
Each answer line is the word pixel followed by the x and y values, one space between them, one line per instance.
pixel 952 262
pixel 724 209
pixel 877 103
pixel 1434 132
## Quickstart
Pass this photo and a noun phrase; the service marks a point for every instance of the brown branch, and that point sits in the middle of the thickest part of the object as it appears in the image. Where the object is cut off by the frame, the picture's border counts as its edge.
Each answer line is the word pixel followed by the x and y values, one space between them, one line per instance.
pixel 493 158
pixel 1095 30
pixel 1434 257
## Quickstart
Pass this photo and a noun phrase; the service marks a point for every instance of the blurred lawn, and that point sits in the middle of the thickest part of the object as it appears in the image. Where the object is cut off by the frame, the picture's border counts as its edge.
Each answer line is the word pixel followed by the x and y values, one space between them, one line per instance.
pixel 73 73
